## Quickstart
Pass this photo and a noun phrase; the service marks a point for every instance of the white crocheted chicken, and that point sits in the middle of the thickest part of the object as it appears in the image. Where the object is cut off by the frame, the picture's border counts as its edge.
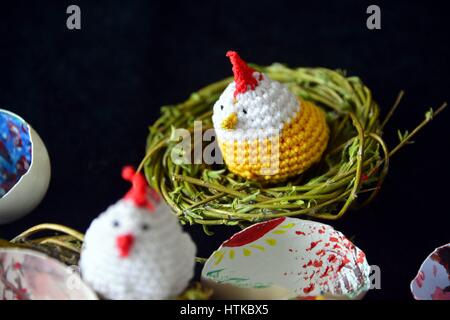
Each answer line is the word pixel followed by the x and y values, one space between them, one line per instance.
pixel 265 132
pixel 137 249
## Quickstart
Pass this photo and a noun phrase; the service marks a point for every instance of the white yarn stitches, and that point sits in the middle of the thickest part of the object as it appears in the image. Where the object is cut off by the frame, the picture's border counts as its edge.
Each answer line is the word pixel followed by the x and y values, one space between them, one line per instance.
pixel 261 112
pixel 161 260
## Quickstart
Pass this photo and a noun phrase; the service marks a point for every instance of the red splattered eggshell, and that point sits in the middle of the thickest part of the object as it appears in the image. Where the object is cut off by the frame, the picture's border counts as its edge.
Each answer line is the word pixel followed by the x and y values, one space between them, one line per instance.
pixel 30 275
pixel 287 258
pixel 432 282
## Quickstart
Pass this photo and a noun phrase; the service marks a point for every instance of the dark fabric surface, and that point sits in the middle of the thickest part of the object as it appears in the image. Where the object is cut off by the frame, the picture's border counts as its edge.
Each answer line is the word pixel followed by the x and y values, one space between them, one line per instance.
pixel 92 93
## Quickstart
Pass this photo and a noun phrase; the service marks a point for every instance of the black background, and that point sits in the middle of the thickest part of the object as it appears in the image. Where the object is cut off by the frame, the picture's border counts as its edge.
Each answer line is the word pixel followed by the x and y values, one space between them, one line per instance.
pixel 92 93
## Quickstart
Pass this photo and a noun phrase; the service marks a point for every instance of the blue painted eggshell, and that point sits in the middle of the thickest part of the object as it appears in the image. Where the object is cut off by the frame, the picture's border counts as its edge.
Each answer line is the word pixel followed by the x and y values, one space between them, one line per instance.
pixel 24 167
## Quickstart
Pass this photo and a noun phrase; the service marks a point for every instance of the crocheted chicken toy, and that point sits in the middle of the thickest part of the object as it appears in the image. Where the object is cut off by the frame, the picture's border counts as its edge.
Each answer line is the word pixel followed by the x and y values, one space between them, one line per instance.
pixel 137 249
pixel 264 131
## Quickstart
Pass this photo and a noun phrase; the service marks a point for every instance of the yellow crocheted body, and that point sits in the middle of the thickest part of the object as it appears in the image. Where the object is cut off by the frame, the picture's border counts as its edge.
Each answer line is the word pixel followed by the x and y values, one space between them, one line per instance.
pixel 301 144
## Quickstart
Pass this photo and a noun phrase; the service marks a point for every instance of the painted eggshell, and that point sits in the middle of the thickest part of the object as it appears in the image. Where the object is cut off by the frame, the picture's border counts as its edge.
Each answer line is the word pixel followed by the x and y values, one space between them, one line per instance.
pixel 24 167
pixel 287 258
pixel 29 275
pixel 433 279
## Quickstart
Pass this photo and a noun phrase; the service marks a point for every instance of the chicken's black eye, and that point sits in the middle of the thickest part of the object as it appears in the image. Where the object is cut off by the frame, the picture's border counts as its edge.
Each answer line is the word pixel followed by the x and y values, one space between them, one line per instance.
pixel 116 223
pixel 244 111
pixel 145 227
pixel 221 107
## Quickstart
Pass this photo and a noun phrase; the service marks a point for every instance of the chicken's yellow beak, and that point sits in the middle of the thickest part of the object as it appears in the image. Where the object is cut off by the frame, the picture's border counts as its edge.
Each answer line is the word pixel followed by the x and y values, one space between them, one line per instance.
pixel 229 123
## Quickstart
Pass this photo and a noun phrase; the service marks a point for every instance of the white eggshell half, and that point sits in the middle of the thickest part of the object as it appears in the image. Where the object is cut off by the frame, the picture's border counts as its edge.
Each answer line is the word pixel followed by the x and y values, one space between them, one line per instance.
pixel 29 191
pixel 30 275
pixel 432 282
pixel 287 258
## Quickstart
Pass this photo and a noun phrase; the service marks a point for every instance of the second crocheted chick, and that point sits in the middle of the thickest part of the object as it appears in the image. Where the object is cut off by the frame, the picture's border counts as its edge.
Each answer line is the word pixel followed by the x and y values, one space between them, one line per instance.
pixel 137 249
pixel 264 131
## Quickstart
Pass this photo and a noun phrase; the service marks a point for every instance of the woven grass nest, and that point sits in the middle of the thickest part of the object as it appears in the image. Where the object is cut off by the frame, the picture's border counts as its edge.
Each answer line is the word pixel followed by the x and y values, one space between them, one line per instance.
pixel 350 172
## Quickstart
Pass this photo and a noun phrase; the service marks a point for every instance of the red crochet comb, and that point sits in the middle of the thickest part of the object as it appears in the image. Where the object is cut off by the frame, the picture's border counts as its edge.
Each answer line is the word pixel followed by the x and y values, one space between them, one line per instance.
pixel 139 191
pixel 243 74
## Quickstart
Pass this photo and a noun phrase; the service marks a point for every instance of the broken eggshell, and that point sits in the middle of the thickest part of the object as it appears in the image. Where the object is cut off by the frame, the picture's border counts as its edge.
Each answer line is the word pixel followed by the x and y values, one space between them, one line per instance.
pixel 287 258
pixel 432 282
pixel 29 275
pixel 24 167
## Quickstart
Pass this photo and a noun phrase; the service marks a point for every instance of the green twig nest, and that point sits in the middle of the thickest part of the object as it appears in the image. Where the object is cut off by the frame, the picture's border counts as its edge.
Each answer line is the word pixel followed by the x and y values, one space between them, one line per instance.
pixel 352 168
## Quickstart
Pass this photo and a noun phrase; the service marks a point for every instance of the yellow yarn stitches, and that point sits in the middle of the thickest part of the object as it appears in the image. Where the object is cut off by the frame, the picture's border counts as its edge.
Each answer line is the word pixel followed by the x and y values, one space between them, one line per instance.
pixel 300 145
